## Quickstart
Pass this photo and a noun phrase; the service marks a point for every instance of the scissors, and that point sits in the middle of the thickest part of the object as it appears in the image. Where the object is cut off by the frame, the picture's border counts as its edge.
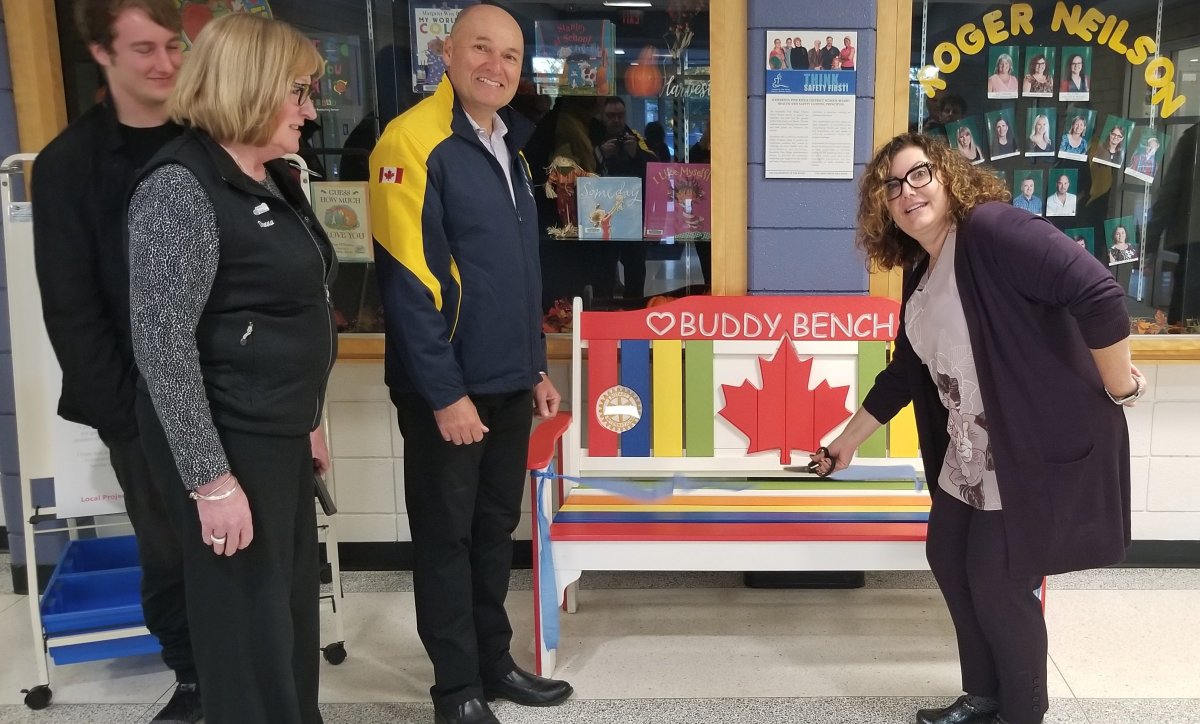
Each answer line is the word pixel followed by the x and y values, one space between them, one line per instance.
pixel 814 466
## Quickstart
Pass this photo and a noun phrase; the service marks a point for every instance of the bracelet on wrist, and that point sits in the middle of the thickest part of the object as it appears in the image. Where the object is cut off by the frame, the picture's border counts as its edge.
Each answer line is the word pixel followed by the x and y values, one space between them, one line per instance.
pixel 215 494
pixel 1132 397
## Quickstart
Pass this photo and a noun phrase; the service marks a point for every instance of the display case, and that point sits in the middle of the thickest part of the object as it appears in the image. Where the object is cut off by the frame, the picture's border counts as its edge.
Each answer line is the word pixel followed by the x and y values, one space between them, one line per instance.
pixel 1089 113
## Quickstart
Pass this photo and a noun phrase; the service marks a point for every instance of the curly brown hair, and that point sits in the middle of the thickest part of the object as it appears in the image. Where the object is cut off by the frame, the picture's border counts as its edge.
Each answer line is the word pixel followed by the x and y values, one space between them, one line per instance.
pixel 968 186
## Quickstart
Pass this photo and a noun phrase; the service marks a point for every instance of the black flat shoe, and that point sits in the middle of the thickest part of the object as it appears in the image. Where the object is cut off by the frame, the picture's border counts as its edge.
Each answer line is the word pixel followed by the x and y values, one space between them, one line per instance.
pixel 472 711
pixel 526 689
pixel 960 712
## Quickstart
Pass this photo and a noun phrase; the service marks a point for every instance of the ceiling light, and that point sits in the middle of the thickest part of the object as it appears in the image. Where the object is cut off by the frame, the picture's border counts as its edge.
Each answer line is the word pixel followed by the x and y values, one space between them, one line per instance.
pixel 627 4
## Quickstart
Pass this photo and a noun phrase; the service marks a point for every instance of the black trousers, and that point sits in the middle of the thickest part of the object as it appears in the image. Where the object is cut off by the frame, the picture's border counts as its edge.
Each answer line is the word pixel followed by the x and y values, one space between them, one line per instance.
pixel 464 501
pixel 254 617
pixel 997 617
pixel 163 603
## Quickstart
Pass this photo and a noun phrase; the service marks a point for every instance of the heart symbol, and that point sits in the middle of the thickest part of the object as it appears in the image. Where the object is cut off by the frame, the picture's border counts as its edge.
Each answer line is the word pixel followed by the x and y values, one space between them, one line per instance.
pixel 660 322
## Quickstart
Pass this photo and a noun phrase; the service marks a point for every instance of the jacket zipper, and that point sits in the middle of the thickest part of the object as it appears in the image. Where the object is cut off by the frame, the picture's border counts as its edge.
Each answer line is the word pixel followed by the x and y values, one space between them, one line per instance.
pixel 246 335
pixel 328 304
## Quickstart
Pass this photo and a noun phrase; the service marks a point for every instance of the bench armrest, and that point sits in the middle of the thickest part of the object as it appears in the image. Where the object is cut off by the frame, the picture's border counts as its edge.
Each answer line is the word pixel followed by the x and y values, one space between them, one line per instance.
pixel 544 440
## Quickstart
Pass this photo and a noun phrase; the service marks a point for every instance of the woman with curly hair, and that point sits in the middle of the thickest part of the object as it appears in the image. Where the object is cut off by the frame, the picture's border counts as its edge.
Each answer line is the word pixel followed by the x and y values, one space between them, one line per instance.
pixel 1010 334
pixel 1038 81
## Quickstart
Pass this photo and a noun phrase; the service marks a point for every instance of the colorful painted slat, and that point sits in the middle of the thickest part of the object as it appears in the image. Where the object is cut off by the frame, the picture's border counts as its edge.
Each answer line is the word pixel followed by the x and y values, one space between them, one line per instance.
pixel 726 532
pixel 602 374
pixel 668 397
pixel 574 500
pixel 733 516
pixel 699 414
pixel 872 358
pixel 635 374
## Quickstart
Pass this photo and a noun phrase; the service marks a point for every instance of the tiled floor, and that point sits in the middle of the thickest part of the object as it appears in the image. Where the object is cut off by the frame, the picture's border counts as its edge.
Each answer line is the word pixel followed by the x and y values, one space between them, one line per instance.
pixel 1124 647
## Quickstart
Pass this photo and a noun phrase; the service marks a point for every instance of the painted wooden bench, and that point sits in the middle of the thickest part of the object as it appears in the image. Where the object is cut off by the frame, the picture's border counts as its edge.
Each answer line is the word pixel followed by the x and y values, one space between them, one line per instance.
pixel 688 423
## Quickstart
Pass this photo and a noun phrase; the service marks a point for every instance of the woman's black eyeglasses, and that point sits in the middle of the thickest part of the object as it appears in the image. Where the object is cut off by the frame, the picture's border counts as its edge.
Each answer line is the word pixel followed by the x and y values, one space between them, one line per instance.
pixel 918 176
pixel 302 91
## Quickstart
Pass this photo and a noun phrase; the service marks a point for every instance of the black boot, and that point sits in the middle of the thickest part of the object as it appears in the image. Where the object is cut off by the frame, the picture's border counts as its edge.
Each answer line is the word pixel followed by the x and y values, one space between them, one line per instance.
pixel 528 689
pixel 184 706
pixel 471 711
pixel 962 711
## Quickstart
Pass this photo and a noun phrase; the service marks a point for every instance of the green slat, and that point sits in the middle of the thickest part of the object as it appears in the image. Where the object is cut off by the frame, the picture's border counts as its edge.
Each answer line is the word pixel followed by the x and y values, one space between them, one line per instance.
pixel 698 415
pixel 872 358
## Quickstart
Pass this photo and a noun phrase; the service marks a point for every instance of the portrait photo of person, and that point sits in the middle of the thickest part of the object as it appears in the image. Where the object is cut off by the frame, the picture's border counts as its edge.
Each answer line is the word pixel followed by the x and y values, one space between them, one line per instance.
pixel 1060 199
pixel 965 137
pixel 1147 154
pixel 1027 190
pixel 1085 237
pixel 1111 149
pixel 1002 83
pixel 1077 128
pixel 1038 81
pixel 777 58
pixel 1002 133
pixel 1075 83
pixel 1121 238
pixel 1040 139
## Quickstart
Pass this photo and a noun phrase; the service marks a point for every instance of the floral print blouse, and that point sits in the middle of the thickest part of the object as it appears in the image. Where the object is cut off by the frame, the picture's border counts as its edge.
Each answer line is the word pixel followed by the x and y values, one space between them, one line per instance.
pixel 937 329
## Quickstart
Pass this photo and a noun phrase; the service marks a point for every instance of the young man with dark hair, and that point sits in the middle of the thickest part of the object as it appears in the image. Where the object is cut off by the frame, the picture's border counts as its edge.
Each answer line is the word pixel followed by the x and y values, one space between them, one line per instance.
pixel 80 185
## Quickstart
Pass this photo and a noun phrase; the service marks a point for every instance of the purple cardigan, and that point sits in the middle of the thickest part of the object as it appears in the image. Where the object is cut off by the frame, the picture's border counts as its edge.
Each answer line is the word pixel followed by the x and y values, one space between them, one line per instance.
pixel 1035 302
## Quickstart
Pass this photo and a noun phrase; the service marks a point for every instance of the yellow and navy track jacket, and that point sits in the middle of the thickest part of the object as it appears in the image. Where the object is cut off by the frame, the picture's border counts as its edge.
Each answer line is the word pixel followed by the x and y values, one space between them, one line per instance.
pixel 457 261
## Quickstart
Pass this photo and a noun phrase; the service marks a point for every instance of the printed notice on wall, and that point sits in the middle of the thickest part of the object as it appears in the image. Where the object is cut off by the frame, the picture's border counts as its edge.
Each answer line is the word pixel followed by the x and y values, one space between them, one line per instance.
pixel 341 207
pixel 810 88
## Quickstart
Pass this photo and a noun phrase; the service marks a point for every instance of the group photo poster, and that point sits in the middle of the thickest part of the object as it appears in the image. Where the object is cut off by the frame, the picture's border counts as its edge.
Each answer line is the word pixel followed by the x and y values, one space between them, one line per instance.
pixel 1084 236
pixel 1028 190
pixel 1148 150
pixel 1061 192
pixel 1041 138
pixel 1120 238
pixel 1002 132
pixel 1039 68
pixel 966 136
pixel 1077 129
pixel 810 87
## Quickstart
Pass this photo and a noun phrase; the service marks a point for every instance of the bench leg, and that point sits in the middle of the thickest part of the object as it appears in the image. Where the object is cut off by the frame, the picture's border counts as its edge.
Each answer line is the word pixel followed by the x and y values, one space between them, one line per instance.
pixel 571 597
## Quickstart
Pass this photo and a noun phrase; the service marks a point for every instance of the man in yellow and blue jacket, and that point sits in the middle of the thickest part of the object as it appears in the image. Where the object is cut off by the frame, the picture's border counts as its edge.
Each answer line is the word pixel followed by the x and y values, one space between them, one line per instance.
pixel 456 252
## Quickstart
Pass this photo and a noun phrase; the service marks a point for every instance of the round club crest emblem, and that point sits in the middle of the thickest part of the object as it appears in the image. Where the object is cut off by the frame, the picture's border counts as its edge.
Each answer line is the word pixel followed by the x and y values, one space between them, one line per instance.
pixel 618 408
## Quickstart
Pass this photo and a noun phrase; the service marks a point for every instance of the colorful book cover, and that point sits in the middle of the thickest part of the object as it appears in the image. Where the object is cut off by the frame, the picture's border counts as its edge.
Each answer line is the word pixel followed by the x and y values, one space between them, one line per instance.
pixel 574 57
pixel 431 24
pixel 679 201
pixel 609 207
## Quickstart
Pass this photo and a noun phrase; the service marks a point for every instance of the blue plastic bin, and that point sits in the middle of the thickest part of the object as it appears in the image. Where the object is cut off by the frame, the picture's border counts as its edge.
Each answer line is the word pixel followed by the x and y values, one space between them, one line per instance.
pixel 89 601
pixel 99 554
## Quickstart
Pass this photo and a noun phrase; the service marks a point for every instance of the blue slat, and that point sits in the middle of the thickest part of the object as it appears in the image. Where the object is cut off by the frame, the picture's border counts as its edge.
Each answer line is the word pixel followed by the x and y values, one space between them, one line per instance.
pixel 635 374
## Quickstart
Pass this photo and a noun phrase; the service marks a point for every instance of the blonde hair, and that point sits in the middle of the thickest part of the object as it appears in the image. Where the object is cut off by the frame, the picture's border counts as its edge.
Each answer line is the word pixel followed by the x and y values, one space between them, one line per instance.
pixel 967 186
pixel 239 74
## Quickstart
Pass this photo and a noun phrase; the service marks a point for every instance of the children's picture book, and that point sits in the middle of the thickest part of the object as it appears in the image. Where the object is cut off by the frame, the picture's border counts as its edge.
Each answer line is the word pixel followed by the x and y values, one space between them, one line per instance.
pixel 679 201
pixel 431 23
pixel 574 57
pixel 610 207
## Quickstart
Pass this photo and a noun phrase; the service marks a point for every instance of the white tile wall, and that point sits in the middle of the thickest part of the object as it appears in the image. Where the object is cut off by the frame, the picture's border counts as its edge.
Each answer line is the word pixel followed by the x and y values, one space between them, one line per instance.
pixel 369 475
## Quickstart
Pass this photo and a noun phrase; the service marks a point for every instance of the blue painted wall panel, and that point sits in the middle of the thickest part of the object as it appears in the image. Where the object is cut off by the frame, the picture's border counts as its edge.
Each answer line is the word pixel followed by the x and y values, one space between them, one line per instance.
pixel 842 14
pixel 805 261
pixel 800 236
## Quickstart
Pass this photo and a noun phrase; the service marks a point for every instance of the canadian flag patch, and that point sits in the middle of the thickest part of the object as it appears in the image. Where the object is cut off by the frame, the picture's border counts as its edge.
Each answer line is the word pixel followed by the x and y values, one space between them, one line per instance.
pixel 390 174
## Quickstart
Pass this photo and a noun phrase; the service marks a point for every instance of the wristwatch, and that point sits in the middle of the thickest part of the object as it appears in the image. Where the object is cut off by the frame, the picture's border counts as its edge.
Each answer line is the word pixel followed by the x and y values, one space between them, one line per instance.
pixel 1132 396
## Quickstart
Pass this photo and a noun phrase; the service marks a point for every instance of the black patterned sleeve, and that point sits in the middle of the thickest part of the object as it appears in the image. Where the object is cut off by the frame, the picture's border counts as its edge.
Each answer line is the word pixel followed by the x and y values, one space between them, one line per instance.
pixel 173 254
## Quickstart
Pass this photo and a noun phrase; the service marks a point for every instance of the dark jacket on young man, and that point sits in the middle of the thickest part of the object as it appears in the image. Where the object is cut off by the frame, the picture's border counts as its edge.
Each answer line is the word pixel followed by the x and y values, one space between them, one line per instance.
pixel 81 182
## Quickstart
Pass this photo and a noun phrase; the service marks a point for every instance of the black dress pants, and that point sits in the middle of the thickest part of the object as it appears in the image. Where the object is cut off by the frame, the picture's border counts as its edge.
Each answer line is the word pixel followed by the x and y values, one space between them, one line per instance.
pixel 464 501
pixel 254 616
pixel 163 603
pixel 997 616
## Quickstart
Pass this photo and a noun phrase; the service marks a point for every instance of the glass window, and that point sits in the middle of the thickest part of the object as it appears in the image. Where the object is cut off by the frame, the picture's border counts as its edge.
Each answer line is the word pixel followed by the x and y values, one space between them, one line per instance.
pixel 615 92
pixel 1089 112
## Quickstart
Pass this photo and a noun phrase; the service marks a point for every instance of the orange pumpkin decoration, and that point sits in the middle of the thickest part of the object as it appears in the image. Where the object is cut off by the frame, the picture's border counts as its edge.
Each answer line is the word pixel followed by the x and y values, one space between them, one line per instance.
pixel 644 80
pixel 659 300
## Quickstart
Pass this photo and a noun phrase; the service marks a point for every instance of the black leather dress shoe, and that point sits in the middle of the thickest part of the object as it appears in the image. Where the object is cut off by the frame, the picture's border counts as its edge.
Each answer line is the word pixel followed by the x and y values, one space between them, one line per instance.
pixel 522 687
pixel 472 711
pixel 960 712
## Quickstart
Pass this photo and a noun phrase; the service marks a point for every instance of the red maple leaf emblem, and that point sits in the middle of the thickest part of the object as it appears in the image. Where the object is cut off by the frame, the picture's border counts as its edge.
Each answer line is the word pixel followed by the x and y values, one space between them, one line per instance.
pixel 785 414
